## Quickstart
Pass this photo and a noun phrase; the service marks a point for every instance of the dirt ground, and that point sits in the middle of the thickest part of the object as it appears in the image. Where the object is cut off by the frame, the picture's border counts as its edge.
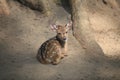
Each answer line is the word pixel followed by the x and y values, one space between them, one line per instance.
pixel 24 30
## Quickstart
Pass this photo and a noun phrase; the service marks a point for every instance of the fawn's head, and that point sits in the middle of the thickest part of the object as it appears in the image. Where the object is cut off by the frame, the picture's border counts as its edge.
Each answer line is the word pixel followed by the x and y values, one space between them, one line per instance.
pixel 62 31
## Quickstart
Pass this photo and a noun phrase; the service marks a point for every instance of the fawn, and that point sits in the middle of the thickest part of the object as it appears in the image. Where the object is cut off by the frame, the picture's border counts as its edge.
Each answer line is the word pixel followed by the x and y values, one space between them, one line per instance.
pixel 54 49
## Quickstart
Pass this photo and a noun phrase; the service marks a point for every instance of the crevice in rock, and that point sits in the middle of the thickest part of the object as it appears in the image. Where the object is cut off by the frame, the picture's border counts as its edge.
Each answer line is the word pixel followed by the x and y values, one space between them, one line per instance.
pixel 65 4
pixel 105 2
pixel 36 7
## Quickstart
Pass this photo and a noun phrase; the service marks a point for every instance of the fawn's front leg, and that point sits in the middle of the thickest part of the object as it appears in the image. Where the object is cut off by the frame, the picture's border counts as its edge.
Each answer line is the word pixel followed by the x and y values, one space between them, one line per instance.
pixel 56 59
pixel 64 51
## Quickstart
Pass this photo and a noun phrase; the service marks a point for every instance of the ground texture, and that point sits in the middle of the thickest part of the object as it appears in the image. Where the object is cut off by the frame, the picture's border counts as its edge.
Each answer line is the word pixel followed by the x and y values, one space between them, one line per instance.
pixel 24 30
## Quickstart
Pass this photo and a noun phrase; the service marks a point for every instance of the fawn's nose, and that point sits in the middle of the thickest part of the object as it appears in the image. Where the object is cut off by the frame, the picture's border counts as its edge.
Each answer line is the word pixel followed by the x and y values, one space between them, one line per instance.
pixel 64 38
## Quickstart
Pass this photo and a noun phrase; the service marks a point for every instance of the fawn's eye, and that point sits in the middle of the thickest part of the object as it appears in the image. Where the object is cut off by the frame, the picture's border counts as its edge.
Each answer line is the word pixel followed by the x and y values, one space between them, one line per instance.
pixel 66 32
pixel 59 33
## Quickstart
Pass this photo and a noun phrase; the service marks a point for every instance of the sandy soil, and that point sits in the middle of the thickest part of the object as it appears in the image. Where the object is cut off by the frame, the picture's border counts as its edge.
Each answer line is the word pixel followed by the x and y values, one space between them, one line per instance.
pixel 22 33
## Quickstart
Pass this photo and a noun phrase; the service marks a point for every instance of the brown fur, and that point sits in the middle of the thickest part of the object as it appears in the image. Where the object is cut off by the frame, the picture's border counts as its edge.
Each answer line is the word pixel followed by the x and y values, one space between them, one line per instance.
pixel 54 49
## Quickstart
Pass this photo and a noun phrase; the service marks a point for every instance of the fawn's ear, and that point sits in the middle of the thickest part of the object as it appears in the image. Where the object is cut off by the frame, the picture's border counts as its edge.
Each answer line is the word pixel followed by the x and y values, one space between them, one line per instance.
pixel 69 25
pixel 53 27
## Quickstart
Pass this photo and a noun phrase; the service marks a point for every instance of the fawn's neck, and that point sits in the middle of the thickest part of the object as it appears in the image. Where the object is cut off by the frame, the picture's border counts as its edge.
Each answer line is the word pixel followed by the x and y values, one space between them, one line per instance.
pixel 62 42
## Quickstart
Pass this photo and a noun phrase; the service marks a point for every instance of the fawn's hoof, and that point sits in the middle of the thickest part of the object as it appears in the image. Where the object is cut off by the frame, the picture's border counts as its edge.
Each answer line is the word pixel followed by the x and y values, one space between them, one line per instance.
pixel 65 55
pixel 55 63
pixel 62 57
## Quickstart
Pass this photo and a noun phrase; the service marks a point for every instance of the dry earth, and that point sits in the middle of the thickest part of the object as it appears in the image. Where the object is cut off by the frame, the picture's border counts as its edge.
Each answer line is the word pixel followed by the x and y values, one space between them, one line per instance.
pixel 24 30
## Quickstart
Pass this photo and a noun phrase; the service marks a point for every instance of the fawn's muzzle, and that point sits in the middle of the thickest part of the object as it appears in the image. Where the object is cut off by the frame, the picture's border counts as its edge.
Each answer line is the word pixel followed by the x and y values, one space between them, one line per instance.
pixel 64 38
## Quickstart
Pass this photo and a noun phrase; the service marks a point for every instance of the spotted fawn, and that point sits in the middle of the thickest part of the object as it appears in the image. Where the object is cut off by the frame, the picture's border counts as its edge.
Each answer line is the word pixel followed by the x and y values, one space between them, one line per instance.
pixel 54 49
